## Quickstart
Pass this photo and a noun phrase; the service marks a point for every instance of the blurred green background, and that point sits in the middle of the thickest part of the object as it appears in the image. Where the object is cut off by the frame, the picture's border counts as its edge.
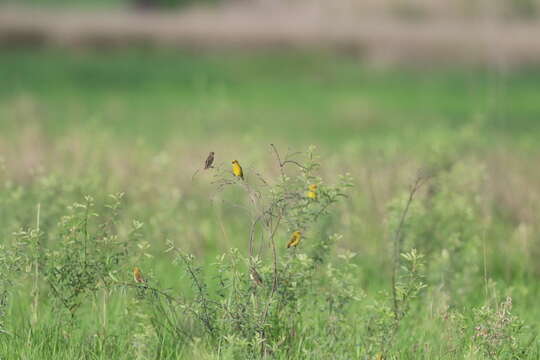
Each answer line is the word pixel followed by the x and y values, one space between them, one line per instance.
pixel 108 116
pixel 161 96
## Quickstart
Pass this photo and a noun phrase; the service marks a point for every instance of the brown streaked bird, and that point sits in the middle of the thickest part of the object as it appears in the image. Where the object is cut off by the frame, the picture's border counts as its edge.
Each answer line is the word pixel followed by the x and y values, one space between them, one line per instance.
pixel 295 239
pixel 137 276
pixel 255 277
pixel 209 161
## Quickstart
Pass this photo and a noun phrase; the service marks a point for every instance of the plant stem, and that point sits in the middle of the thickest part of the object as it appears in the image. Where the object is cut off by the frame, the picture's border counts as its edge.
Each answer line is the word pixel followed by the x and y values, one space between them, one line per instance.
pixel 398 240
pixel 35 285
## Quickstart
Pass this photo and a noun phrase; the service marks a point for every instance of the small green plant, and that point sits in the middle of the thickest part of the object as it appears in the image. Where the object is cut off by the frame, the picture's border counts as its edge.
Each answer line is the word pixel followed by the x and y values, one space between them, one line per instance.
pixel 498 333
pixel 397 243
pixel 85 259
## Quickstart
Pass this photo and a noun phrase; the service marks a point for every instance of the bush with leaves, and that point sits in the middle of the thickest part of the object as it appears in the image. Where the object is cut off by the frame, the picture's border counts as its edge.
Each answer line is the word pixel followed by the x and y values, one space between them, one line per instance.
pixel 261 299
pixel 498 333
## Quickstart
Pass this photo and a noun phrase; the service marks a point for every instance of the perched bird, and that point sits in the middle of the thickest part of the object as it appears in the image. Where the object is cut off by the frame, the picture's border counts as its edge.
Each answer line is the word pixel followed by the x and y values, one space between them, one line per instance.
pixel 255 277
pixel 312 191
pixel 237 169
pixel 295 239
pixel 137 276
pixel 209 161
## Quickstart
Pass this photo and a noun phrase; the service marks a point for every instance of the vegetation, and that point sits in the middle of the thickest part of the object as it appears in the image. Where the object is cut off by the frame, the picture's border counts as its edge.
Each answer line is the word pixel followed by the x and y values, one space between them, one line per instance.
pixel 424 248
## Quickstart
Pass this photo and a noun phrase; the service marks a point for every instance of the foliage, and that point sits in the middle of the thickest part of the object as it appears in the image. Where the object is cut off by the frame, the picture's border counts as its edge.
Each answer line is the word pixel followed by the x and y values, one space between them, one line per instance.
pixel 448 273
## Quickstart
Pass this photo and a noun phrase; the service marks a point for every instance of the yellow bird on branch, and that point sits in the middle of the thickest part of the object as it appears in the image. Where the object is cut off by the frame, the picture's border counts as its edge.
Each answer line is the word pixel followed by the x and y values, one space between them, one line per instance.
pixel 237 169
pixel 137 276
pixel 295 239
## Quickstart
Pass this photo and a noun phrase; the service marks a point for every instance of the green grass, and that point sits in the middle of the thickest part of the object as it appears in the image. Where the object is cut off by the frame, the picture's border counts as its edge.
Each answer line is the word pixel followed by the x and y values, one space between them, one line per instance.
pixel 76 123
pixel 308 98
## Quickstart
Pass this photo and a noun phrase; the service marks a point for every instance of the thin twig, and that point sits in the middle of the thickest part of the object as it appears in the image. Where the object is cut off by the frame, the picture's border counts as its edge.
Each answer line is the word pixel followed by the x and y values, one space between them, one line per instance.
pixel 168 297
pixel 252 233
pixel 201 293
pixel 295 163
pixel 195 173
pixel 275 277
pixel 274 254
pixel 398 239
pixel 278 159
pixel 287 161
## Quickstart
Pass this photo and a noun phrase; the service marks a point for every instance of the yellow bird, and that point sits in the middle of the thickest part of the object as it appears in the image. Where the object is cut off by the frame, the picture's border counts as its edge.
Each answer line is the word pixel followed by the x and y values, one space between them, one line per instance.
pixel 237 169
pixel 312 191
pixel 295 239
pixel 137 276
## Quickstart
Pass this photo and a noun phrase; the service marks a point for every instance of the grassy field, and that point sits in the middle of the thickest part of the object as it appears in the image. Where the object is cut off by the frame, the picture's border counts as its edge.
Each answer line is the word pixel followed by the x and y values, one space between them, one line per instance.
pixel 101 159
